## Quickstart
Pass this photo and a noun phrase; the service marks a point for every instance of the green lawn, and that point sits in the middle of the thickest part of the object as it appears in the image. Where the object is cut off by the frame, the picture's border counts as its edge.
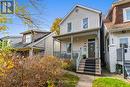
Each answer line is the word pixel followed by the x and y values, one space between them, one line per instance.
pixel 109 82
pixel 69 80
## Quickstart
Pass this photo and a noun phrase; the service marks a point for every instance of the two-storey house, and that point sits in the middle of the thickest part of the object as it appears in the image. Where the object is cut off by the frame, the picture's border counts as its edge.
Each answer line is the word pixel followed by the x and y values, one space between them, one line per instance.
pixel 35 42
pixel 117 34
pixel 80 39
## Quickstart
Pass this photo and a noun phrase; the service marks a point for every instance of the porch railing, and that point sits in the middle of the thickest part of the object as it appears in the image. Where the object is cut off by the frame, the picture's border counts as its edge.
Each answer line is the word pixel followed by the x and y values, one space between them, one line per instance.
pixel 78 60
pixel 119 54
pixel 65 55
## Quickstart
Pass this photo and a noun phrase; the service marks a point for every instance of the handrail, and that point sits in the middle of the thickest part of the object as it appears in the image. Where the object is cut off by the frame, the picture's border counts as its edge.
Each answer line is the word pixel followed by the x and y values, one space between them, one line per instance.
pixel 78 60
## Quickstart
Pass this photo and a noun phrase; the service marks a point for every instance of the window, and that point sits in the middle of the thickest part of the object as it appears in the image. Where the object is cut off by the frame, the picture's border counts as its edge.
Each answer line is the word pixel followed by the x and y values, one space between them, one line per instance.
pixel 68 47
pixel 0 44
pixel 5 43
pixel 124 42
pixel 126 13
pixel 69 27
pixel 85 23
pixel 28 38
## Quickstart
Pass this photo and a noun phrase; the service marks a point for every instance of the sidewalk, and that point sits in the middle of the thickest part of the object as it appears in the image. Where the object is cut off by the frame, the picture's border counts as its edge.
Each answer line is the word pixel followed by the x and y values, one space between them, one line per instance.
pixel 85 80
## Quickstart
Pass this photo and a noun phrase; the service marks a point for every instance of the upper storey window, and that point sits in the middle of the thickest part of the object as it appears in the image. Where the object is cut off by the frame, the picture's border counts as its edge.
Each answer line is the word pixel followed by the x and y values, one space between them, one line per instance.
pixel 126 13
pixel 85 23
pixel 28 38
pixel 69 27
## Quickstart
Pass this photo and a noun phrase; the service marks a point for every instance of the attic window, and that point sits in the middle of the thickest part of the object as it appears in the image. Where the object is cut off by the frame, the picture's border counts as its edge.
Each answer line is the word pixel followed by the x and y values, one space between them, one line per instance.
pixel 126 13
pixel 76 10
pixel 28 38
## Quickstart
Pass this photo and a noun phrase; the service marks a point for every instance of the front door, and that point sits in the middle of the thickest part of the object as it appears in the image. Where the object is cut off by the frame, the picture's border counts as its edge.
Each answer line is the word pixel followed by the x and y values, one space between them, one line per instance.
pixel 91 48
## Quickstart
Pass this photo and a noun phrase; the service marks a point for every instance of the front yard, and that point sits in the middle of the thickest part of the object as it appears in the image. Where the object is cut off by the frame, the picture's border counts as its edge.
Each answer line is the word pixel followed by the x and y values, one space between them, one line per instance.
pixel 69 80
pixel 110 82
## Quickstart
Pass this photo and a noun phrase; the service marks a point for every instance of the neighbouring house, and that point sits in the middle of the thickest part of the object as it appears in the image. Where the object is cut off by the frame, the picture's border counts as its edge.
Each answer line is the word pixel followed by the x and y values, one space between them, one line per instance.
pixel 80 39
pixel 117 34
pixel 35 42
pixel 9 41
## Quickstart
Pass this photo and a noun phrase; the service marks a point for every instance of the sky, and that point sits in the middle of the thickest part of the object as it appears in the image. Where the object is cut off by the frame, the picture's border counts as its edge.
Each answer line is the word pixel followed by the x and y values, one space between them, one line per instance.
pixel 51 9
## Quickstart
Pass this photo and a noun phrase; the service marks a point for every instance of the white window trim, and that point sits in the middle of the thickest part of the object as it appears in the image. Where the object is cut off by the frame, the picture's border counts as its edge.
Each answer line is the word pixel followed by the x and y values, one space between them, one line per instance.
pixel 26 38
pixel 82 23
pixel 123 38
pixel 71 27
pixel 124 15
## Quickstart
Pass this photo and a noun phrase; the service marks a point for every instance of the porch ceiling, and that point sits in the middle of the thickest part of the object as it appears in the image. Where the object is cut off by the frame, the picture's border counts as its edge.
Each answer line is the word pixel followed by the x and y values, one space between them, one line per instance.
pixel 78 34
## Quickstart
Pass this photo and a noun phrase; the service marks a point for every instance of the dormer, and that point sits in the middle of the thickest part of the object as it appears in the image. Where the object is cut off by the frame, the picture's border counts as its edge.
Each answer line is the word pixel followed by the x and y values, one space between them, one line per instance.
pixel 126 14
pixel 30 36
pixel 119 13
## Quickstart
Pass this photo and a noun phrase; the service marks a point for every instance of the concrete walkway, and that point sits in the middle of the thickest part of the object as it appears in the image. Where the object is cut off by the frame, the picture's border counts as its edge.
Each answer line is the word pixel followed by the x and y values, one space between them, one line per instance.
pixel 85 80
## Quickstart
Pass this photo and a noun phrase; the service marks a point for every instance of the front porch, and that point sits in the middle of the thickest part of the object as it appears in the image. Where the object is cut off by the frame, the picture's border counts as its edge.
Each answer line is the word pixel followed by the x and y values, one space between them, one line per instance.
pixel 29 52
pixel 87 43
pixel 81 47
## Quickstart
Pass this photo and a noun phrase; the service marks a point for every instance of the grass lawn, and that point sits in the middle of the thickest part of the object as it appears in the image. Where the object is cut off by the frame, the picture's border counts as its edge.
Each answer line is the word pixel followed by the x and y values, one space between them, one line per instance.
pixel 109 82
pixel 70 80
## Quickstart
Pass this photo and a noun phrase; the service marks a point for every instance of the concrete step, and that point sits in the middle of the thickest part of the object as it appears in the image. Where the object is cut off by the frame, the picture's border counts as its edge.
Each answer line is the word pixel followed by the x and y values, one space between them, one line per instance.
pixel 92 73
pixel 88 66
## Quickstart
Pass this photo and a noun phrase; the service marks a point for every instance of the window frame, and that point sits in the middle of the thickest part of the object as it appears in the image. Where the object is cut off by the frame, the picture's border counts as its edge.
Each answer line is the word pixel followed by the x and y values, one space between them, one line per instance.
pixel 83 23
pixel 27 39
pixel 127 41
pixel 68 27
pixel 125 14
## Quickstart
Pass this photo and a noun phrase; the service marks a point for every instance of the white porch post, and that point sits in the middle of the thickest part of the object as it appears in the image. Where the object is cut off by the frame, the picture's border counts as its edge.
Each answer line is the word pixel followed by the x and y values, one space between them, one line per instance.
pixel 71 47
pixel 31 52
pixel 53 47
pixel 99 44
pixel 60 49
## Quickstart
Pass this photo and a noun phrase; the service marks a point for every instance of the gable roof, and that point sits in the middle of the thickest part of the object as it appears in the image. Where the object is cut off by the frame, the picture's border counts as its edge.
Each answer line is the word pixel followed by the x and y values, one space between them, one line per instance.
pixel 32 44
pixel 86 8
pixel 35 30
pixel 120 2
pixel 28 45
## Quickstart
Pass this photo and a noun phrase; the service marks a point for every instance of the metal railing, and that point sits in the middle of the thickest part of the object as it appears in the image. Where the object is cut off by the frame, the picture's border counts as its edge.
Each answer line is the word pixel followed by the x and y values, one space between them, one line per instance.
pixel 121 58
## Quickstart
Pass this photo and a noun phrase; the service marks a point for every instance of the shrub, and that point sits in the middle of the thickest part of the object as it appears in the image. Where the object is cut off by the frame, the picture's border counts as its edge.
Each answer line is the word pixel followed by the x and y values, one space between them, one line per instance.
pixel 32 72
pixel 69 65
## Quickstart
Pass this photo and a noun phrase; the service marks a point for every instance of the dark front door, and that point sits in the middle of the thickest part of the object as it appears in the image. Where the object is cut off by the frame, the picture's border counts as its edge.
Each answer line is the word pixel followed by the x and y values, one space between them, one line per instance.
pixel 91 48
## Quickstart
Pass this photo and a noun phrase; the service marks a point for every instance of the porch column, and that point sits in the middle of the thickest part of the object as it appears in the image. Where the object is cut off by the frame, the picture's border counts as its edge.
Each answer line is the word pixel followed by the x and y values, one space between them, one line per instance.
pixel 71 47
pixel 60 49
pixel 98 39
pixel 53 47
pixel 31 53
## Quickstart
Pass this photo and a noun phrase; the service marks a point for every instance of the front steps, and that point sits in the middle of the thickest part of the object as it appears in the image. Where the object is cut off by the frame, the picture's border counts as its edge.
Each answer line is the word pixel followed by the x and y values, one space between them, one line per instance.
pixel 89 66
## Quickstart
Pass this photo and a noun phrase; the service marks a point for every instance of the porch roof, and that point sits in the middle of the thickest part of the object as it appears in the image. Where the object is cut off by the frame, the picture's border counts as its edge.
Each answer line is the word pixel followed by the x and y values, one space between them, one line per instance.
pixel 28 48
pixel 86 32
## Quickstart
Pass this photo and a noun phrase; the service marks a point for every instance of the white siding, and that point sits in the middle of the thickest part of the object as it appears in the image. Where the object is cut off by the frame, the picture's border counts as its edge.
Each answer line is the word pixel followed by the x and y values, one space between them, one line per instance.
pixel 114 45
pixel 76 18
pixel 49 45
